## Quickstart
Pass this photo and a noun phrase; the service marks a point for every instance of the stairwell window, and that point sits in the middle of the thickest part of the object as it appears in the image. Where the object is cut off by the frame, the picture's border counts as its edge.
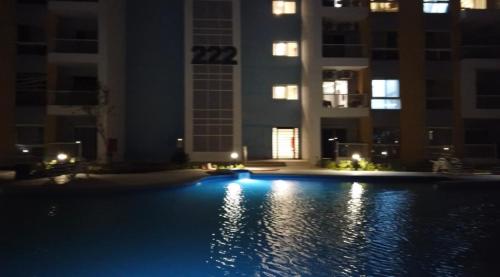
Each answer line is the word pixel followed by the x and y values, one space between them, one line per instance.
pixel 286 92
pixel 286 48
pixel 384 5
pixel 385 95
pixel 284 7
pixel 436 6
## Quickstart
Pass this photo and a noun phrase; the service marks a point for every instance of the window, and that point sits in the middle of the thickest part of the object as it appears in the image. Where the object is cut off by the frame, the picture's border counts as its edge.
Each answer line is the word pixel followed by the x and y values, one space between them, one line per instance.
pixel 384 5
pixel 284 7
pixel 473 4
pixel 287 92
pixel 488 89
pixel 342 3
pixel 436 6
pixel 385 95
pixel 438 46
pixel 439 94
pixel 286 48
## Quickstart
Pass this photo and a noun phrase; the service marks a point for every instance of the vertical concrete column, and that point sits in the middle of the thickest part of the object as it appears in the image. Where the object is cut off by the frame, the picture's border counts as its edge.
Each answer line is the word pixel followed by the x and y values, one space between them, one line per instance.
pixel 412 82
pixel 7 81
pixel 311 93
pixel 458 122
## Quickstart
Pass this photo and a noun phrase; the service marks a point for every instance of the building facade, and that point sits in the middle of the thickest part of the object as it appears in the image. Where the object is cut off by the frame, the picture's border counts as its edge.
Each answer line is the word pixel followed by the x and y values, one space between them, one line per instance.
pixel 291 79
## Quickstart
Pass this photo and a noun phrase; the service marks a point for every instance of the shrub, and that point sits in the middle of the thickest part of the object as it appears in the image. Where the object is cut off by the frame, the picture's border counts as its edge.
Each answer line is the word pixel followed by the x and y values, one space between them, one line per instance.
pixel 363 165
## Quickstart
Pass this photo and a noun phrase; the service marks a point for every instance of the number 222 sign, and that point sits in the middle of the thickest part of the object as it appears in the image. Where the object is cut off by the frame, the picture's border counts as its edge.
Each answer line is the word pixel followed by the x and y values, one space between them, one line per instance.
pixel 214 55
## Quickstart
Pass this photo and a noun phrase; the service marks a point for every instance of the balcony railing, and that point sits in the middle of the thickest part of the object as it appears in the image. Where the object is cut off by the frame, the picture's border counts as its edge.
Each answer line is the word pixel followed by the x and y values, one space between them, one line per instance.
pixel 75 97
pixel 481 51
pixel 381 152
pixel 488 101
pixel 69 45
pixel 346 150
pixel 480 151
pixel 344 3
pixel 354 100
pixel 31 48
pixel 380 53
pixel 343 50
pixel 32 97
pixel 438 54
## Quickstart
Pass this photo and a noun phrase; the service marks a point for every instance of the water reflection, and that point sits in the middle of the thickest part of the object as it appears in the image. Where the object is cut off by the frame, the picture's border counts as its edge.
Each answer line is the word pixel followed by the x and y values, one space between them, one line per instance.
pixel 224 246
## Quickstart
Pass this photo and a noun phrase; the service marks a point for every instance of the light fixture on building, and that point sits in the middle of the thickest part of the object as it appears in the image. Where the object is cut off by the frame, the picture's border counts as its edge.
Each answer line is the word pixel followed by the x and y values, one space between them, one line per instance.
pixel 234 155
pixel 25 151
pixel 446 148
pixel 179 139
pixel 78 142
pixel 62 157
pixel 356 157
pixel 384 153
pixel 333 139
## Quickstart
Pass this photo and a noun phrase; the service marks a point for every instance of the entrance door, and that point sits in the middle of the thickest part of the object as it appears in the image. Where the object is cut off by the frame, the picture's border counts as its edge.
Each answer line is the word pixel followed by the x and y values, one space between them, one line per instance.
pixel 329 139
pixel 88 137
pixel 285 143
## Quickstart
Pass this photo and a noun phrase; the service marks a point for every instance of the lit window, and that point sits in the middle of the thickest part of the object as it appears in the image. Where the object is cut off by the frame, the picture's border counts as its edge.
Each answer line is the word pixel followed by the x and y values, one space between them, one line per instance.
pixel 384 5
pixel 385 95
pixel 284 7
pixel 286 48
pixel 288 92
pixel 436 6
pixel 285 143
pixel 473 4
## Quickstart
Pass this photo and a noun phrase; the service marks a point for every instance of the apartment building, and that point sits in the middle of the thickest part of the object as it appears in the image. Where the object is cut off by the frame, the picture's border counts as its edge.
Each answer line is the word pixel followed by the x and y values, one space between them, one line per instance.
pixel 267 79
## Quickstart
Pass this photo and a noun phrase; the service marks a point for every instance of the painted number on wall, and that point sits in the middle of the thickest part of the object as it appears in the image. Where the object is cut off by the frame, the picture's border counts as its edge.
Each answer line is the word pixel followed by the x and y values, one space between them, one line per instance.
pixel 214 55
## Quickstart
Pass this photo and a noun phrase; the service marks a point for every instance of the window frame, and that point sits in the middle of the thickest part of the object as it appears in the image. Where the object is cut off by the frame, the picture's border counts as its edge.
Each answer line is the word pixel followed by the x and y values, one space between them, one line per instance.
pixel 287 47
pixel 385 98
pixel 287 93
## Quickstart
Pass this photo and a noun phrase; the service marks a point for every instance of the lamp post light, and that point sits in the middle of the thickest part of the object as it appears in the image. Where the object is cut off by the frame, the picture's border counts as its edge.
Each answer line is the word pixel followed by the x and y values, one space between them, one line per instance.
pixel 355 160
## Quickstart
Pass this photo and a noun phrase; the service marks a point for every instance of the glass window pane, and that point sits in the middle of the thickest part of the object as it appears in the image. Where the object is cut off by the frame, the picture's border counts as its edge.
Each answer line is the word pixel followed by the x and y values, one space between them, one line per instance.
pixel 341 87
pixel 328 87
pixel 289 7
pixel 292 92
pixel 279 92
pixel 292 50
pixel 386 104
pixel 378 88
pixel 392 88
pixel 279 49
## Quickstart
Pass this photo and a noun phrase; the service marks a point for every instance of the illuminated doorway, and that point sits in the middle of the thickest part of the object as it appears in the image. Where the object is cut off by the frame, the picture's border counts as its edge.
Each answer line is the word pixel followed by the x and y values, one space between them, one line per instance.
pixel 285 143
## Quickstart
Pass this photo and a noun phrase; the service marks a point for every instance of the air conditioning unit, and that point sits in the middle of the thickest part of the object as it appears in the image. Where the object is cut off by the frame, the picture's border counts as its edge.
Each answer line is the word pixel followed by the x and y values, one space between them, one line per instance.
pixel 329 75
pixel 345 74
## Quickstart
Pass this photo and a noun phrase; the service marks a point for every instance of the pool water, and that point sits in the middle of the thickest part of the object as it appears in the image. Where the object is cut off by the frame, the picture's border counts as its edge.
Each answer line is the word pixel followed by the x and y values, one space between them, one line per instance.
pixel 277 226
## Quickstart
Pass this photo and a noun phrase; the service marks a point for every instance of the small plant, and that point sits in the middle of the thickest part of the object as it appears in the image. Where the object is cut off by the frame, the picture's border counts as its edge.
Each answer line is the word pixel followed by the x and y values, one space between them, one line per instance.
pixel 348 165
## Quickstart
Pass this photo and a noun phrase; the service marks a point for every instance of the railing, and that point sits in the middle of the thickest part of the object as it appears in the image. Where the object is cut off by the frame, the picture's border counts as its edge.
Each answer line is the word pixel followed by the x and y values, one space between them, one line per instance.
pixel 343 50
pixel 438 54
pixel 439 103
pixel 31 48
pixel 382 152
pixel 344 3
pixel 34 97
pixel 480 151
pixel 354 100
pixel 380 53
pixel 75 97
pixel 69 45
pixel 488 101
pixel 346 150
pixel 481 51
pixel 436 151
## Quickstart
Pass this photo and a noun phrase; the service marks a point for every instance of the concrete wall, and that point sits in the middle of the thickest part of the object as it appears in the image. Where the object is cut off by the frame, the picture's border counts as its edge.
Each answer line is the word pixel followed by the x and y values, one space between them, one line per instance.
pixel 7 80
pixel 154 73
pixel 261 70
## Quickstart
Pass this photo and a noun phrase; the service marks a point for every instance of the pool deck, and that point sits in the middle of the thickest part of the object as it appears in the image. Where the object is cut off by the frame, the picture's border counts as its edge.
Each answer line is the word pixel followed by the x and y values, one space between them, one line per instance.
pixel 166 179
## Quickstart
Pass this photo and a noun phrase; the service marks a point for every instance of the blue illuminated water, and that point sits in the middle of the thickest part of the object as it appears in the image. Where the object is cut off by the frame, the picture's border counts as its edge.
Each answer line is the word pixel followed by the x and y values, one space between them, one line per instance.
pixel 268 227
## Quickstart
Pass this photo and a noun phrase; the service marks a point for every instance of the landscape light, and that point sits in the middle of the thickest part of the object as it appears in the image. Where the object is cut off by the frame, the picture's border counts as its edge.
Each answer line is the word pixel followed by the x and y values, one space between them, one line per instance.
pixel 356 157
pixel 26 151
pixel 446 148
pixel 62 157
pixel 384 153
pixel 234 155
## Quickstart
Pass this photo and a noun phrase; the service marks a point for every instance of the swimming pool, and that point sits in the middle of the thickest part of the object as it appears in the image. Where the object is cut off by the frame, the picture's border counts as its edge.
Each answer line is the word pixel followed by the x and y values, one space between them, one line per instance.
pixel 266 226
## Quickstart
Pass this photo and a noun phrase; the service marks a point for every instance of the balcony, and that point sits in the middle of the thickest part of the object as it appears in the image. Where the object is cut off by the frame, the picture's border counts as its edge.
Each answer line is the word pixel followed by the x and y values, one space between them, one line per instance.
pixel 73 7
pixel 73 102
pixel 345 55
pixel 33 97
pixel 345 105
pixel 481 52
pixel 345 10
pixel 69 50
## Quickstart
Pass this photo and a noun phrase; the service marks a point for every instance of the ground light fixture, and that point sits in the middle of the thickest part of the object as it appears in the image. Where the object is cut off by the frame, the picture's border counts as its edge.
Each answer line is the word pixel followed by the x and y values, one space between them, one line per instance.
pixel 356 157
pixel 234 155
pixel 62 157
